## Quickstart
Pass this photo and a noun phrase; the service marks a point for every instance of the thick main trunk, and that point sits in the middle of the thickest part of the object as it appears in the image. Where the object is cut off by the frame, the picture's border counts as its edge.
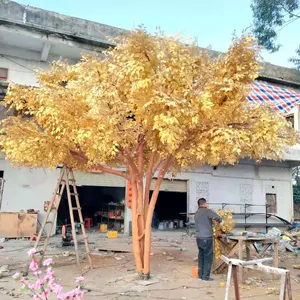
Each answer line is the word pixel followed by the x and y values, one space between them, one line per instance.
pixel 148 229
pixel 135 230
pixel 141 228
pixel 141 235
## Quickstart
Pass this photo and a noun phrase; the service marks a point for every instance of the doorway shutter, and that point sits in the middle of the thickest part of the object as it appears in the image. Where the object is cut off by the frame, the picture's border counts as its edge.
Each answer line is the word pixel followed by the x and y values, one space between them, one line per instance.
pixel 99 179
pixel 171 185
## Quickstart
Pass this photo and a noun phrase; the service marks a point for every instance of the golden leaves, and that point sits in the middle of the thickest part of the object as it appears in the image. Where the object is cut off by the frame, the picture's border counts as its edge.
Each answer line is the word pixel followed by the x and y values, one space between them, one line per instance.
pixel 182 101
pixel 226 227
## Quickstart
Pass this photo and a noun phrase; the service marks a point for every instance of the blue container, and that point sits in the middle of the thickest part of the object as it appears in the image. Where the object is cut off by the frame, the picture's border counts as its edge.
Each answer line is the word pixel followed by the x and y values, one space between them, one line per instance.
pixel 296 224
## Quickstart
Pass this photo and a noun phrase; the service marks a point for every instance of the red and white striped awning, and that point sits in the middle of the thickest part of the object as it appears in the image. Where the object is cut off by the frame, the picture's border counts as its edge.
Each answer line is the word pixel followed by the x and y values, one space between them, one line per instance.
pixel 280 99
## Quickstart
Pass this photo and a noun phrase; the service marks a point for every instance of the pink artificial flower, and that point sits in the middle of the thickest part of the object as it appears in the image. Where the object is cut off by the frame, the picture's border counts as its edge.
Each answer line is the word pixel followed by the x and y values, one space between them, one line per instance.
pixel 37 273
pixel 46 293
pixel 50 272
pixel 70 295
pixel 24 281
pixel 16 276
pixel 49 276
pixel 34 265
pixel 79 293
pixel 57 288
pixel 31 252
pixel 79 279
pixel 61 296
pixel 48 262
pixel 39 284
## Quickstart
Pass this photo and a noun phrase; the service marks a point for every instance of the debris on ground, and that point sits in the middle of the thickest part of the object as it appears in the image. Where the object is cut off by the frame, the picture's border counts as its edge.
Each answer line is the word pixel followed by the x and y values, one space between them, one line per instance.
pixel 147 282
pixel 4 269
pixel 66 253
pixel 170 258
pixel 272 291
pixel 249 281
pixel 120 257
pixel 297 267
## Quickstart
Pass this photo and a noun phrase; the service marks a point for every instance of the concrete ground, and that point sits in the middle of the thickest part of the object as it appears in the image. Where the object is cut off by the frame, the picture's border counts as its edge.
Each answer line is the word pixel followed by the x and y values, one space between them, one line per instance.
pixel 114 277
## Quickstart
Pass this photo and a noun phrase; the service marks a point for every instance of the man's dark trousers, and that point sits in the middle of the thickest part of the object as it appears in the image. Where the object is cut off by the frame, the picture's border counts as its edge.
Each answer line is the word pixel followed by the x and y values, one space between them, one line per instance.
pixel 205 257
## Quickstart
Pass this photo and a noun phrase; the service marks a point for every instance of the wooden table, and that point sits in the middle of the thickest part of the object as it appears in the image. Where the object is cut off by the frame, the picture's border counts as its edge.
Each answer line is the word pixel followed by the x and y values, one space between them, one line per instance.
pixel 235 245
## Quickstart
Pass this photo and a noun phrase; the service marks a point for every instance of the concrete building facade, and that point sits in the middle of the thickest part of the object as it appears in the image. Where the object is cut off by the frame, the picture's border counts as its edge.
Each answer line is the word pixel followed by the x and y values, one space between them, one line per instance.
pixel 31 38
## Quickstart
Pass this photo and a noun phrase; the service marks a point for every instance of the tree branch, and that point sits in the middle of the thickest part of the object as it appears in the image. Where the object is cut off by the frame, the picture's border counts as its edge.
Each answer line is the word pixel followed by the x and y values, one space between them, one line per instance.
pixel 140 154
pixel 289 12
pixel 79 155
pixel 83 158
pixel 109 170
pixel 128 161
pixel 156 165
pixel 148 183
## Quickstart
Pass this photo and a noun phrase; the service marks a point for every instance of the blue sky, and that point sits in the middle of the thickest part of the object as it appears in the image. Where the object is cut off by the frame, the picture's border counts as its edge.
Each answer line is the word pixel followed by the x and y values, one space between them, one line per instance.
pixel 211 22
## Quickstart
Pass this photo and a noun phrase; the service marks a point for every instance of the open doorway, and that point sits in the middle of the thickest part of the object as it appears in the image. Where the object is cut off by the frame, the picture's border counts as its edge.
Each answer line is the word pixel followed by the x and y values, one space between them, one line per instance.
pixel 101 205
pixel 170 210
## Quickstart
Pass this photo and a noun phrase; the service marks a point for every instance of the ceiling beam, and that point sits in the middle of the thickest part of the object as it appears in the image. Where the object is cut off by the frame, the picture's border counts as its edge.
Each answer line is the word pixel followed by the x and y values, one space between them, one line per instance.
pixel 45 51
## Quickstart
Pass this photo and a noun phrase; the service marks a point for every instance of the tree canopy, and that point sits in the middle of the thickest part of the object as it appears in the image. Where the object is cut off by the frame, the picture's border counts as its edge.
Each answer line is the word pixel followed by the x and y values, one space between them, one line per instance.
pixel 153 104
pixel 178 100
pixel 270 16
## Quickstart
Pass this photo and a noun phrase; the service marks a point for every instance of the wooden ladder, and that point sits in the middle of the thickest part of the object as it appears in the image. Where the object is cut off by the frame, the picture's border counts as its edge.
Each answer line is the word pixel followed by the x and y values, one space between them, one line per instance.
pixel 66 181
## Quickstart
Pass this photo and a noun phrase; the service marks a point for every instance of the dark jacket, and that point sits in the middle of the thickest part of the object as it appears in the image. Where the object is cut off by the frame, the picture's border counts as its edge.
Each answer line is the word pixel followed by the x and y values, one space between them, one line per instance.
pixel 203 221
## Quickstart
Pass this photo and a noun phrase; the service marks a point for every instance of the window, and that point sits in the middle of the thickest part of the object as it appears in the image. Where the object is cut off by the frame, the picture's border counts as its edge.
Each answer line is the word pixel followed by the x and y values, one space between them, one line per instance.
pixel 271 202
pixel 291 120
pixel 3 74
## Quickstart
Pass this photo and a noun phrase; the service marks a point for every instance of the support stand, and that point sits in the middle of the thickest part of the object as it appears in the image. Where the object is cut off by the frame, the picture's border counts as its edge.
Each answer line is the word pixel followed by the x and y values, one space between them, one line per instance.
pixel 233 264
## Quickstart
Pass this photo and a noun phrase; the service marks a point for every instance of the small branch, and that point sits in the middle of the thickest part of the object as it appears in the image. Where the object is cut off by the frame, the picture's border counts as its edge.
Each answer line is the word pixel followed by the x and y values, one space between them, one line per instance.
pixel 79 155
pixel 156 165
pixel 245 124
pixel 140 154
pixel 110 171
pixel 148 183
pixel 289 12
pixel 83 158
pixel 125 156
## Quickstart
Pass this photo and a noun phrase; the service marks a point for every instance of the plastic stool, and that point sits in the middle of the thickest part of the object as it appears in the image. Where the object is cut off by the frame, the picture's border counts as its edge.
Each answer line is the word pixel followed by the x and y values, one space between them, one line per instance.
pixel 33 237
pixel 88 223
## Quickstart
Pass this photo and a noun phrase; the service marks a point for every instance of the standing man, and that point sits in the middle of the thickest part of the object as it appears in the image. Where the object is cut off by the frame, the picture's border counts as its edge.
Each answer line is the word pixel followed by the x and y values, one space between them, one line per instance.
pixel 204 233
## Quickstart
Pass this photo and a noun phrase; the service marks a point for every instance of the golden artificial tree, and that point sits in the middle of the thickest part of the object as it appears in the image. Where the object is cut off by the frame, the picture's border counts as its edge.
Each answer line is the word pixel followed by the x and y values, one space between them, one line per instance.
pixel 154 104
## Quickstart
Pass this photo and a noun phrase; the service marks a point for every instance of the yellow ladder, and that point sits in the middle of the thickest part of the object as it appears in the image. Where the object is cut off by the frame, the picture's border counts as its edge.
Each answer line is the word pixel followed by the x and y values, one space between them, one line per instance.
pixel 66 181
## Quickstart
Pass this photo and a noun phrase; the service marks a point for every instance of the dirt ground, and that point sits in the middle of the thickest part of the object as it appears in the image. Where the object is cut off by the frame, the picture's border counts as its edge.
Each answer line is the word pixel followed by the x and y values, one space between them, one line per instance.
pixel 114 277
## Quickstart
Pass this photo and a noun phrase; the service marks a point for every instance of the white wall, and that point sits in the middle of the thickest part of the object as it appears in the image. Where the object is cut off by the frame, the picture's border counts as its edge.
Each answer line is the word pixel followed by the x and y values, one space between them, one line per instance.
pixel 26 188
pixel 243 183
pixel 21 70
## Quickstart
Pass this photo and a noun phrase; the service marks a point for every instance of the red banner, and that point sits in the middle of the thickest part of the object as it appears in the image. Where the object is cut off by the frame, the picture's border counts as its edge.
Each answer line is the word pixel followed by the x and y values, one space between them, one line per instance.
pixel 128 194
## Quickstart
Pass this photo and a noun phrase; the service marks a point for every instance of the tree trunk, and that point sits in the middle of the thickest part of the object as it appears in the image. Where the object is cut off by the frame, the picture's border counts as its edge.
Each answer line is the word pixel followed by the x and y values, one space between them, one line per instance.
pixel 135 230
pixel 148 229
pixel 141 233
pixel 142 214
